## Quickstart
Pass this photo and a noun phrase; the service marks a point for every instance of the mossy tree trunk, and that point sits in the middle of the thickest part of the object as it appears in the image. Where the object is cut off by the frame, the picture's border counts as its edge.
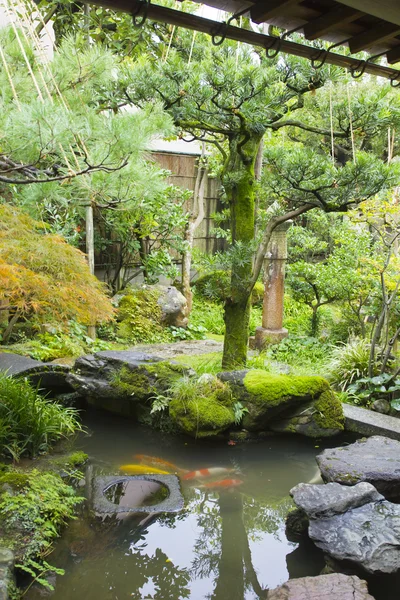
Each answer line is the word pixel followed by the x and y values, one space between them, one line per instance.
pixel 239 182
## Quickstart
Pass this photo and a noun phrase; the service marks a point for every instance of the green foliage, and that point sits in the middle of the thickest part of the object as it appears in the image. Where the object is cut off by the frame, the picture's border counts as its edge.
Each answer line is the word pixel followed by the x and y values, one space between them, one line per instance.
pixel 239 411
pixel 215 287
pixel 192 332
pixel 306 355
pixel 29 423
pixel 274 389
pixel 208 315
pixel 367 389
pixel 32 515
pixel 349 363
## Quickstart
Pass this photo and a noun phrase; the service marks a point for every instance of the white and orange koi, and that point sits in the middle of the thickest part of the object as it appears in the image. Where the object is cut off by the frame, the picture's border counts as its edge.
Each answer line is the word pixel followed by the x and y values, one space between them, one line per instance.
pixel 204 473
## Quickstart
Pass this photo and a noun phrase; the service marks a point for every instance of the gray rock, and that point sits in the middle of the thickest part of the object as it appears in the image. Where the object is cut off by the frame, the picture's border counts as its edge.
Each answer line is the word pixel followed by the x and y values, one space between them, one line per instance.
pixel 368 536
pixel 173 306
pixel 375 460
pixel 332 499
pixel 352 524
pixel 7 579
pixel 381 406
pixel 324 587
pixel 118 381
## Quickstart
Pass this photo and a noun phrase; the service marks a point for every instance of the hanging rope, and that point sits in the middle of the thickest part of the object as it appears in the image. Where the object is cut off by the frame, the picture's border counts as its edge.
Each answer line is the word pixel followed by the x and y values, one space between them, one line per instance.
pixel 331 121
pixel 351 124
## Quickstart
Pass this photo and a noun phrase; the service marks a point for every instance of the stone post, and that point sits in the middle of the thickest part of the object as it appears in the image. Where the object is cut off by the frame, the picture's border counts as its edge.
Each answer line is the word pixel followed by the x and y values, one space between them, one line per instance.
pixel 272 331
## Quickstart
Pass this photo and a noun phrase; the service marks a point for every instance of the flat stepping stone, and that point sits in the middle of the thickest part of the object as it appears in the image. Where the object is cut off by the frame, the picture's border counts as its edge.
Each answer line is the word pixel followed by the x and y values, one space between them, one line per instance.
pixel 322 587
pixel 375 460
pixel 368 422
pixel 48 376
pixel 352 524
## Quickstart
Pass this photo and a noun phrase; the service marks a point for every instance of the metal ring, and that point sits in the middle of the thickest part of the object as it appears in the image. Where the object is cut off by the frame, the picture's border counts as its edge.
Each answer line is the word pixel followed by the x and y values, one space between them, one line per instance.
pixel 360 66
pixel 322 53
pixel 393 79
pixel 140 4
pixel 276 51
pixel 221 32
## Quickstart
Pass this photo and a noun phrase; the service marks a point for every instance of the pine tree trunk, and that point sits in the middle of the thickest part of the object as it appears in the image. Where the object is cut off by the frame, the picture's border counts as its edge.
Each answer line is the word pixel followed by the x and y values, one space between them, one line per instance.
pixel 239 183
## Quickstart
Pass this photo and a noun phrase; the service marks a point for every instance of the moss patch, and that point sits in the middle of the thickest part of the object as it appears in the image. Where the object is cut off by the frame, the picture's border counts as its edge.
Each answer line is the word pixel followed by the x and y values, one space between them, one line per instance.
pixel 274 389
pixel 145 381
pixel 329 411
pixel 202 408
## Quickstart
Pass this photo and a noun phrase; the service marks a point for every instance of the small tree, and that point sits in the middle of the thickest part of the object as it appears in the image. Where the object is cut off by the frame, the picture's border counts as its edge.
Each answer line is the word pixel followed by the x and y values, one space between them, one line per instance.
pixel 43 277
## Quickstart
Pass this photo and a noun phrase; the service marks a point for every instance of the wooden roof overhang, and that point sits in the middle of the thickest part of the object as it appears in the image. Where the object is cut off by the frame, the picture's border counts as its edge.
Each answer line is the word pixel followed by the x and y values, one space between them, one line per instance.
pixel 362 25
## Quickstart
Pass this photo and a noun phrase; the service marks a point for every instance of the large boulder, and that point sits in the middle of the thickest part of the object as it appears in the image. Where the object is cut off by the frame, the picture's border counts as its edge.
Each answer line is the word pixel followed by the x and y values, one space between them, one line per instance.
pixel 119 381
pixel 375 459
pixel 323 587
pixel 352 524
pixel 173 306
pixel 286 403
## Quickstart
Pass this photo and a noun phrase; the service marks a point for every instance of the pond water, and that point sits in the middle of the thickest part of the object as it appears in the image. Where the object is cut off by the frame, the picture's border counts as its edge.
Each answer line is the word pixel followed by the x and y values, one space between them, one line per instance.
pixel 228 543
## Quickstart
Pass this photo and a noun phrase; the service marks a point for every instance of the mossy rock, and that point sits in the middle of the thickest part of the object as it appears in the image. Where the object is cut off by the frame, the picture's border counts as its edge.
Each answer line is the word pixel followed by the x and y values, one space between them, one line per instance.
pixel 206 413
pixel 146 381
pixel 287 403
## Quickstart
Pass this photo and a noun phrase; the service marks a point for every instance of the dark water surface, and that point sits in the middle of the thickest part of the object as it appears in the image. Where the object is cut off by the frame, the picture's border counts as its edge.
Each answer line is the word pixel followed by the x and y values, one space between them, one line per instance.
pixel 227 544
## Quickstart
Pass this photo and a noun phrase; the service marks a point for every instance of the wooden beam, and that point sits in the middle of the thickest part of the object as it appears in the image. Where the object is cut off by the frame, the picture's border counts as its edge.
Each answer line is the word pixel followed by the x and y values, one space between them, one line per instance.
pixel 318 27
pixel 371 37
pixel 267 9
pixel 393 56
pixel 194 22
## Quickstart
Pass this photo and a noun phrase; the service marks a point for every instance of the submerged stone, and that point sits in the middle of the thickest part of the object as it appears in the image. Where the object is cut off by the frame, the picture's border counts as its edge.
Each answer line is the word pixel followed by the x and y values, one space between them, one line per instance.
pixel 323 587
pixel 375 460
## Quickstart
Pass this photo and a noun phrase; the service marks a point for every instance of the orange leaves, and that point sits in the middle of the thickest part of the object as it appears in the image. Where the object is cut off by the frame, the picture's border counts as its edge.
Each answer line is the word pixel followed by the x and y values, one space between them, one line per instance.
pixel 43 274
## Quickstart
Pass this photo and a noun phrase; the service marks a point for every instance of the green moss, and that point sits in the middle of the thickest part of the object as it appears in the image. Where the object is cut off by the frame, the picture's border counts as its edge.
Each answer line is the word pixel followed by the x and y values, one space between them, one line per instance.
pixel 202 408
pixel 275 389
pixel 76 459
pixel 145 381
pixel 139 317
pixel 329 409
pixel 202 418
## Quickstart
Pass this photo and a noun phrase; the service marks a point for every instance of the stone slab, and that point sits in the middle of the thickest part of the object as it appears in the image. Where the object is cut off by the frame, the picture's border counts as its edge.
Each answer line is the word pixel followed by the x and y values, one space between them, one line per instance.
pixel 323 587
pixel 375 460
pixel 367 422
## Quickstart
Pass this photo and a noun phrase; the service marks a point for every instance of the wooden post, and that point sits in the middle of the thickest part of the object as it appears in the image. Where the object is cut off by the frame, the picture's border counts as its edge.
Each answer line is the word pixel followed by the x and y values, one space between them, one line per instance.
pixel 90 253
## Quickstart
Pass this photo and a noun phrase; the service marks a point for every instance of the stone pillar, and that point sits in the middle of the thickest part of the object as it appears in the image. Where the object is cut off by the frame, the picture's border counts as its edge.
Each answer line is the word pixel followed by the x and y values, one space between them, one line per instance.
pixel 272 331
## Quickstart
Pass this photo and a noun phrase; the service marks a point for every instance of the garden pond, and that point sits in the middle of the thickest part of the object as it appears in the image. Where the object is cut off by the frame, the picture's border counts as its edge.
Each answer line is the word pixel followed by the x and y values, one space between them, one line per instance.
pixel 229 542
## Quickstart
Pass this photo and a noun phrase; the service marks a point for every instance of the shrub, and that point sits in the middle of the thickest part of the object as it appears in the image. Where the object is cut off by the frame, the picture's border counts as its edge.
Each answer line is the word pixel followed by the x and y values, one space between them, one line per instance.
pixel 29 423
pixel 349 362
pixel 139 317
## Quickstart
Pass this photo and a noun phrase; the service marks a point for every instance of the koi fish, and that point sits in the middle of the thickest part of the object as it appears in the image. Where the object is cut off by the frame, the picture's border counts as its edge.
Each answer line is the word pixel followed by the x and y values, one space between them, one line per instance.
pixel 142 470
pixel 203 473
pixel 154 460
pixel 224 483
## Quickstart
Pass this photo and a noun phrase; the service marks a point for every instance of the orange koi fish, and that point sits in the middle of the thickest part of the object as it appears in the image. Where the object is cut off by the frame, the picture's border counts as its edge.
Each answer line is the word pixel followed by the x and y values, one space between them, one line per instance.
pixel 203 473
pixel 224 483
pixel 154 460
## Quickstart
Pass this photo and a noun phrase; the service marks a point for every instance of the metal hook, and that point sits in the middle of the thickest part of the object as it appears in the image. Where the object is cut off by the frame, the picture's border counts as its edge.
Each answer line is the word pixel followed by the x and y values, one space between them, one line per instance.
pixel 322 53
pixel 393 79
pixel 279 41
pixel 140 4
pixel 221 32
pixel 360 66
